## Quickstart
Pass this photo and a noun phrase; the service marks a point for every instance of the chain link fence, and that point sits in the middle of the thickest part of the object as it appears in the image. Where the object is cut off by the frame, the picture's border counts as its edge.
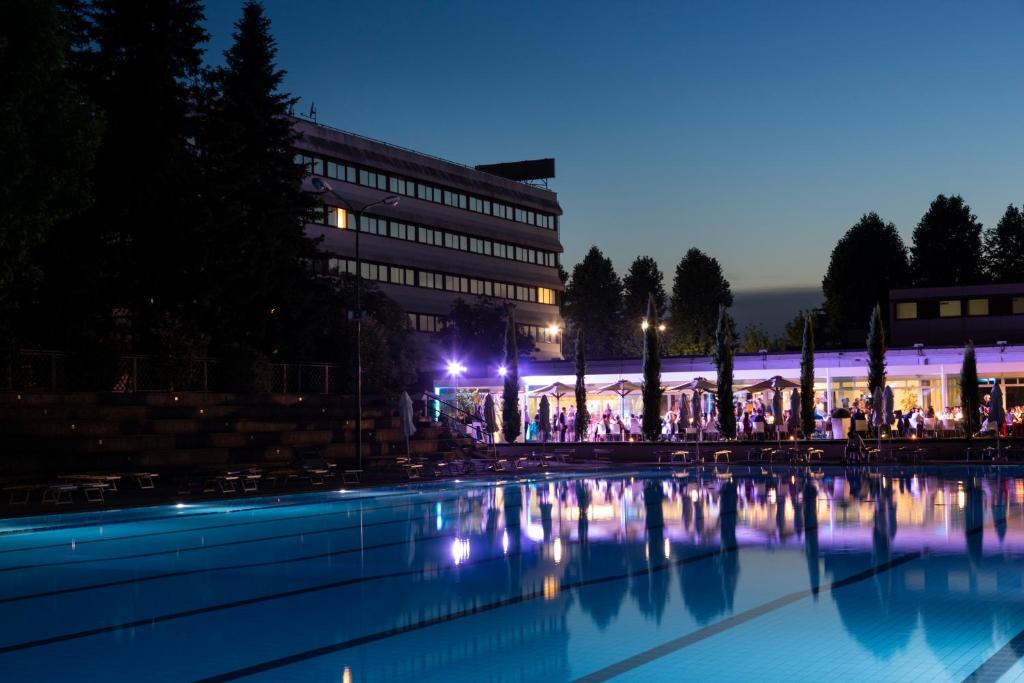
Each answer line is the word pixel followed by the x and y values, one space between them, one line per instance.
pixel 62 371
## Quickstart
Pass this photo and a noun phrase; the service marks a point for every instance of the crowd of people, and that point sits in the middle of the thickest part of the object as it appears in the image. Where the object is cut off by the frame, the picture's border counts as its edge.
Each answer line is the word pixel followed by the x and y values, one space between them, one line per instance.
pixel 756 417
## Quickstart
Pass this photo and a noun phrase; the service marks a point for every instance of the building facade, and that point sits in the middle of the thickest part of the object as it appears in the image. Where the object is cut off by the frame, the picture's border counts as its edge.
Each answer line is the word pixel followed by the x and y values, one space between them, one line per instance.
pixel 456 232
pixel 926 377
pixel 984 314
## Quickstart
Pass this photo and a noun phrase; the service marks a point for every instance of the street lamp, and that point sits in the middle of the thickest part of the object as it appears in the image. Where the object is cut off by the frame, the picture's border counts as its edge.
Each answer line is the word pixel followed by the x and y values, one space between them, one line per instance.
pixel 323 187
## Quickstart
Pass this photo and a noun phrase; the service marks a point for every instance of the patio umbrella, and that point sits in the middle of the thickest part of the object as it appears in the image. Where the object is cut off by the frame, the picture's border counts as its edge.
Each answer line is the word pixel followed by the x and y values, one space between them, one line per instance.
pixel 623 388
pixel 996 413
pixel 777 414
pixel 771 384
pixel 794 410
pixel 695 384
pixel 490 419
pixel 405 417
pixel 545 419
pixel 556 389
pixel 878 413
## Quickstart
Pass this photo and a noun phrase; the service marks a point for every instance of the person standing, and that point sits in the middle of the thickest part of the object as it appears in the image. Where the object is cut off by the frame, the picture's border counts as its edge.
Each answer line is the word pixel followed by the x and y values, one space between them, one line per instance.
pixel 563 422
pixel 572 423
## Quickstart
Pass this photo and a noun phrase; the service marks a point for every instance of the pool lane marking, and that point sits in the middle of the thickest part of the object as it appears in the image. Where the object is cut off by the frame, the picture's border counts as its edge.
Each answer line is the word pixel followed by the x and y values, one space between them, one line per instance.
pixel 410 492
pixel 110 539
pixel 461 614
pixel 993 668
pixel 672 646
pixel 685 641
pixel 207 546
pixel 41 529
pixel 204 570
pixel 150 621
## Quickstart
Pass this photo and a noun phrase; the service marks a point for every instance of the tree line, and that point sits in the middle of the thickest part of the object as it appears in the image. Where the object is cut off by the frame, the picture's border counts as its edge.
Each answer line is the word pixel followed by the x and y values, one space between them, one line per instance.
pixel 150 203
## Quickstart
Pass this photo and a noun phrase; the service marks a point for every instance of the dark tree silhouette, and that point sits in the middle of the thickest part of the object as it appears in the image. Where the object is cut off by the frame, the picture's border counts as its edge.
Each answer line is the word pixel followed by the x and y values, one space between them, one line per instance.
pixel 652 373
pixel 698 290
pixel 1004 247
pixel 582 414
pixel 947 245
pixel 868 261
pixel 724 365
pixel 807 379
pixel 593 303
pixel 511 418
pixel 876 352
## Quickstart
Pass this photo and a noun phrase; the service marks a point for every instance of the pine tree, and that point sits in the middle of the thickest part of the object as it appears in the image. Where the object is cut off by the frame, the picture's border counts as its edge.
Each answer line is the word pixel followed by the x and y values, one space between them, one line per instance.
pixel 724 365
pixel 699 288
pixel 258 248
pixel 969 391
pixel 135 251
pixel 593 303
pixel 1004 247
pixel 48 136
pixel 652 373
pixel 582 414
pixel 876 351
pixel 807 379
pixel 643 279
pixel 511 418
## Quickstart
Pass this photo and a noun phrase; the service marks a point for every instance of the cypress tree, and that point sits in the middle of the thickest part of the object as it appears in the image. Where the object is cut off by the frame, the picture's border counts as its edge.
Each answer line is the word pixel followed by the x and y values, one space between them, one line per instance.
pixel 582 414
pixel 258 248
pixel 724 365
pixel 511 418
pixel 807 379
pixel 652 374
pixel 876 351
pixel 969 390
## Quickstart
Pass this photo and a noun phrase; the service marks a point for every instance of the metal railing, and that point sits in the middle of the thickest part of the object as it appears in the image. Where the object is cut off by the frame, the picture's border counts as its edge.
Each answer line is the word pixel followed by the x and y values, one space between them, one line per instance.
pixel 44 370
pixel 458 419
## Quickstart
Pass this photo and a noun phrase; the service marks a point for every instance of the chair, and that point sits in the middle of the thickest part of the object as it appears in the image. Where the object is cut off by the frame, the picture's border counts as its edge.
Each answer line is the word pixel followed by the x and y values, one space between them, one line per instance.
pixel 690 434
pixel 758 430
pixel 930 427
pixel 860 426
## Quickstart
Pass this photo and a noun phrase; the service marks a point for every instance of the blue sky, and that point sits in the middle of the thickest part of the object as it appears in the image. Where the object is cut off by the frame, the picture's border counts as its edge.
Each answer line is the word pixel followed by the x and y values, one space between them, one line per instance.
pixel 756 131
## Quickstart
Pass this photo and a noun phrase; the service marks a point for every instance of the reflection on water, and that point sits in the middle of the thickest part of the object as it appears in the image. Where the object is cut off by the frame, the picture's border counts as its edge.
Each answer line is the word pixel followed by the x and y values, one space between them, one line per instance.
pixel 664 555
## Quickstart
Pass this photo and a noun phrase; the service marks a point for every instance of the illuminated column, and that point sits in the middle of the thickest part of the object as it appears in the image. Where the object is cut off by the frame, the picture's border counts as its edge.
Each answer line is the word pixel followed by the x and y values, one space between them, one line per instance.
pixel 942 386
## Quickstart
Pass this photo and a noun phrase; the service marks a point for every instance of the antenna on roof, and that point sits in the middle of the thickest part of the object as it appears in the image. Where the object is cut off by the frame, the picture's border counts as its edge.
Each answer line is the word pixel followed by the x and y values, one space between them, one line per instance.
pixel 312 110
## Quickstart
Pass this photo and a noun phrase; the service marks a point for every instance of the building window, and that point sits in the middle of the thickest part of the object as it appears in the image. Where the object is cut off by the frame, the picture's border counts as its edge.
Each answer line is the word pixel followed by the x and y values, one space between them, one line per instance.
pixel 949 309
pixel 1018 305
pixel 337 217
pixel 906 310
pixel 977 307
pixel 545 295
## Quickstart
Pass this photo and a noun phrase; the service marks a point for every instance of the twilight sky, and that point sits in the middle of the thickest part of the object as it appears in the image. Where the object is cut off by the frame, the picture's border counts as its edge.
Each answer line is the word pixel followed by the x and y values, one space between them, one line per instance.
pixel 757 131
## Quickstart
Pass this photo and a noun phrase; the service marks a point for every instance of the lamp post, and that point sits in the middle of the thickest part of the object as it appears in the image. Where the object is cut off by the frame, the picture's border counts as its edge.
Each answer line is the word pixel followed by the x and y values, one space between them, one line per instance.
pixel 553 331
pixel 323 187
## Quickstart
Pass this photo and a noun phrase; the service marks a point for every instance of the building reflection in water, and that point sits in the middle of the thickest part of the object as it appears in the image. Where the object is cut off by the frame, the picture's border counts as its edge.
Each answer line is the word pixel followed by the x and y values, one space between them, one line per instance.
pixel 586 545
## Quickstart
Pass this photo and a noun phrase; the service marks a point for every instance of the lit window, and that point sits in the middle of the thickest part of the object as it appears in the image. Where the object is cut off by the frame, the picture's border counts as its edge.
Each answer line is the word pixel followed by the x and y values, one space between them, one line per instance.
pixel 1018 305
pixel 950 309
pixel 337 217
pixel 906 310
pixel 545 295
pixel 977 307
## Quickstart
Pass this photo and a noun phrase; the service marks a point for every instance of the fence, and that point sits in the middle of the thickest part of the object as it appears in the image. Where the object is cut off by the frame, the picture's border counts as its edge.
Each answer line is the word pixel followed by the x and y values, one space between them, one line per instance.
pixel 62 371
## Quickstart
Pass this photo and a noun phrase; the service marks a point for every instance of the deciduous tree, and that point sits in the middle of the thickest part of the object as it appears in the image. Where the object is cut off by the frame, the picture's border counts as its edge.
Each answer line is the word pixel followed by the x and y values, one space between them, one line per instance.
pixel 1004 247
pixel 947 245
pixel 593 303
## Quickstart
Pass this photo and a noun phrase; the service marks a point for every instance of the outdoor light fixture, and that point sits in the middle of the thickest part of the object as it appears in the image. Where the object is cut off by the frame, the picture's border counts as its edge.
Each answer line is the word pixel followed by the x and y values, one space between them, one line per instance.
pixel 321 186
pixel 644 325
pixel 455 368
pixel 502 371
pixel 661 327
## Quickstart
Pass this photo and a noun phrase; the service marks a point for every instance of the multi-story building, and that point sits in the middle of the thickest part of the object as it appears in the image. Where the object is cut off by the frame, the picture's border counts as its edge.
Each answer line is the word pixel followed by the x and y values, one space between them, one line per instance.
pixel 984 314
pixel 456 231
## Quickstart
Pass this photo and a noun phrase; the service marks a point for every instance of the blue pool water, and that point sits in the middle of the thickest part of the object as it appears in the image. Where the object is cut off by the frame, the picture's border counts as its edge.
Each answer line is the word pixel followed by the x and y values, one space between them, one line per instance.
pixel 796 575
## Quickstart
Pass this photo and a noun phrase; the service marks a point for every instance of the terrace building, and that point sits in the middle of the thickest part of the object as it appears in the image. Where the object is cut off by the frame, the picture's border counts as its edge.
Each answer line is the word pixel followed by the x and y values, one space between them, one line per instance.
pixel 456 232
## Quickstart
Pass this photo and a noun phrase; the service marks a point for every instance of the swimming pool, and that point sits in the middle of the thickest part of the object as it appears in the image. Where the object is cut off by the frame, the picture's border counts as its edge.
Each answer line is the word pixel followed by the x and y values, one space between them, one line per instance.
pixel 754 575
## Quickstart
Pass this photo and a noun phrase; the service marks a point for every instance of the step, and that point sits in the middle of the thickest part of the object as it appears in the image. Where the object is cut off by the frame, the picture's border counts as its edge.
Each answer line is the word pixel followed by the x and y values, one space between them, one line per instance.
pixel 306 438
pixel 262 426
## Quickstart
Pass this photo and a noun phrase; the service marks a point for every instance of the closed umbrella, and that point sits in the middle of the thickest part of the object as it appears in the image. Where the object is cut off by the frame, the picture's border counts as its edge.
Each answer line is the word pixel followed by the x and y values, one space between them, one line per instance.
pixel 405 418
pixel 697 418
pixel 684 414
pixel 890 405
pixel 794 410
pixel 878 414
pixel 777 414
pixel 996 414
pixel 490 418
pixel 545 419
